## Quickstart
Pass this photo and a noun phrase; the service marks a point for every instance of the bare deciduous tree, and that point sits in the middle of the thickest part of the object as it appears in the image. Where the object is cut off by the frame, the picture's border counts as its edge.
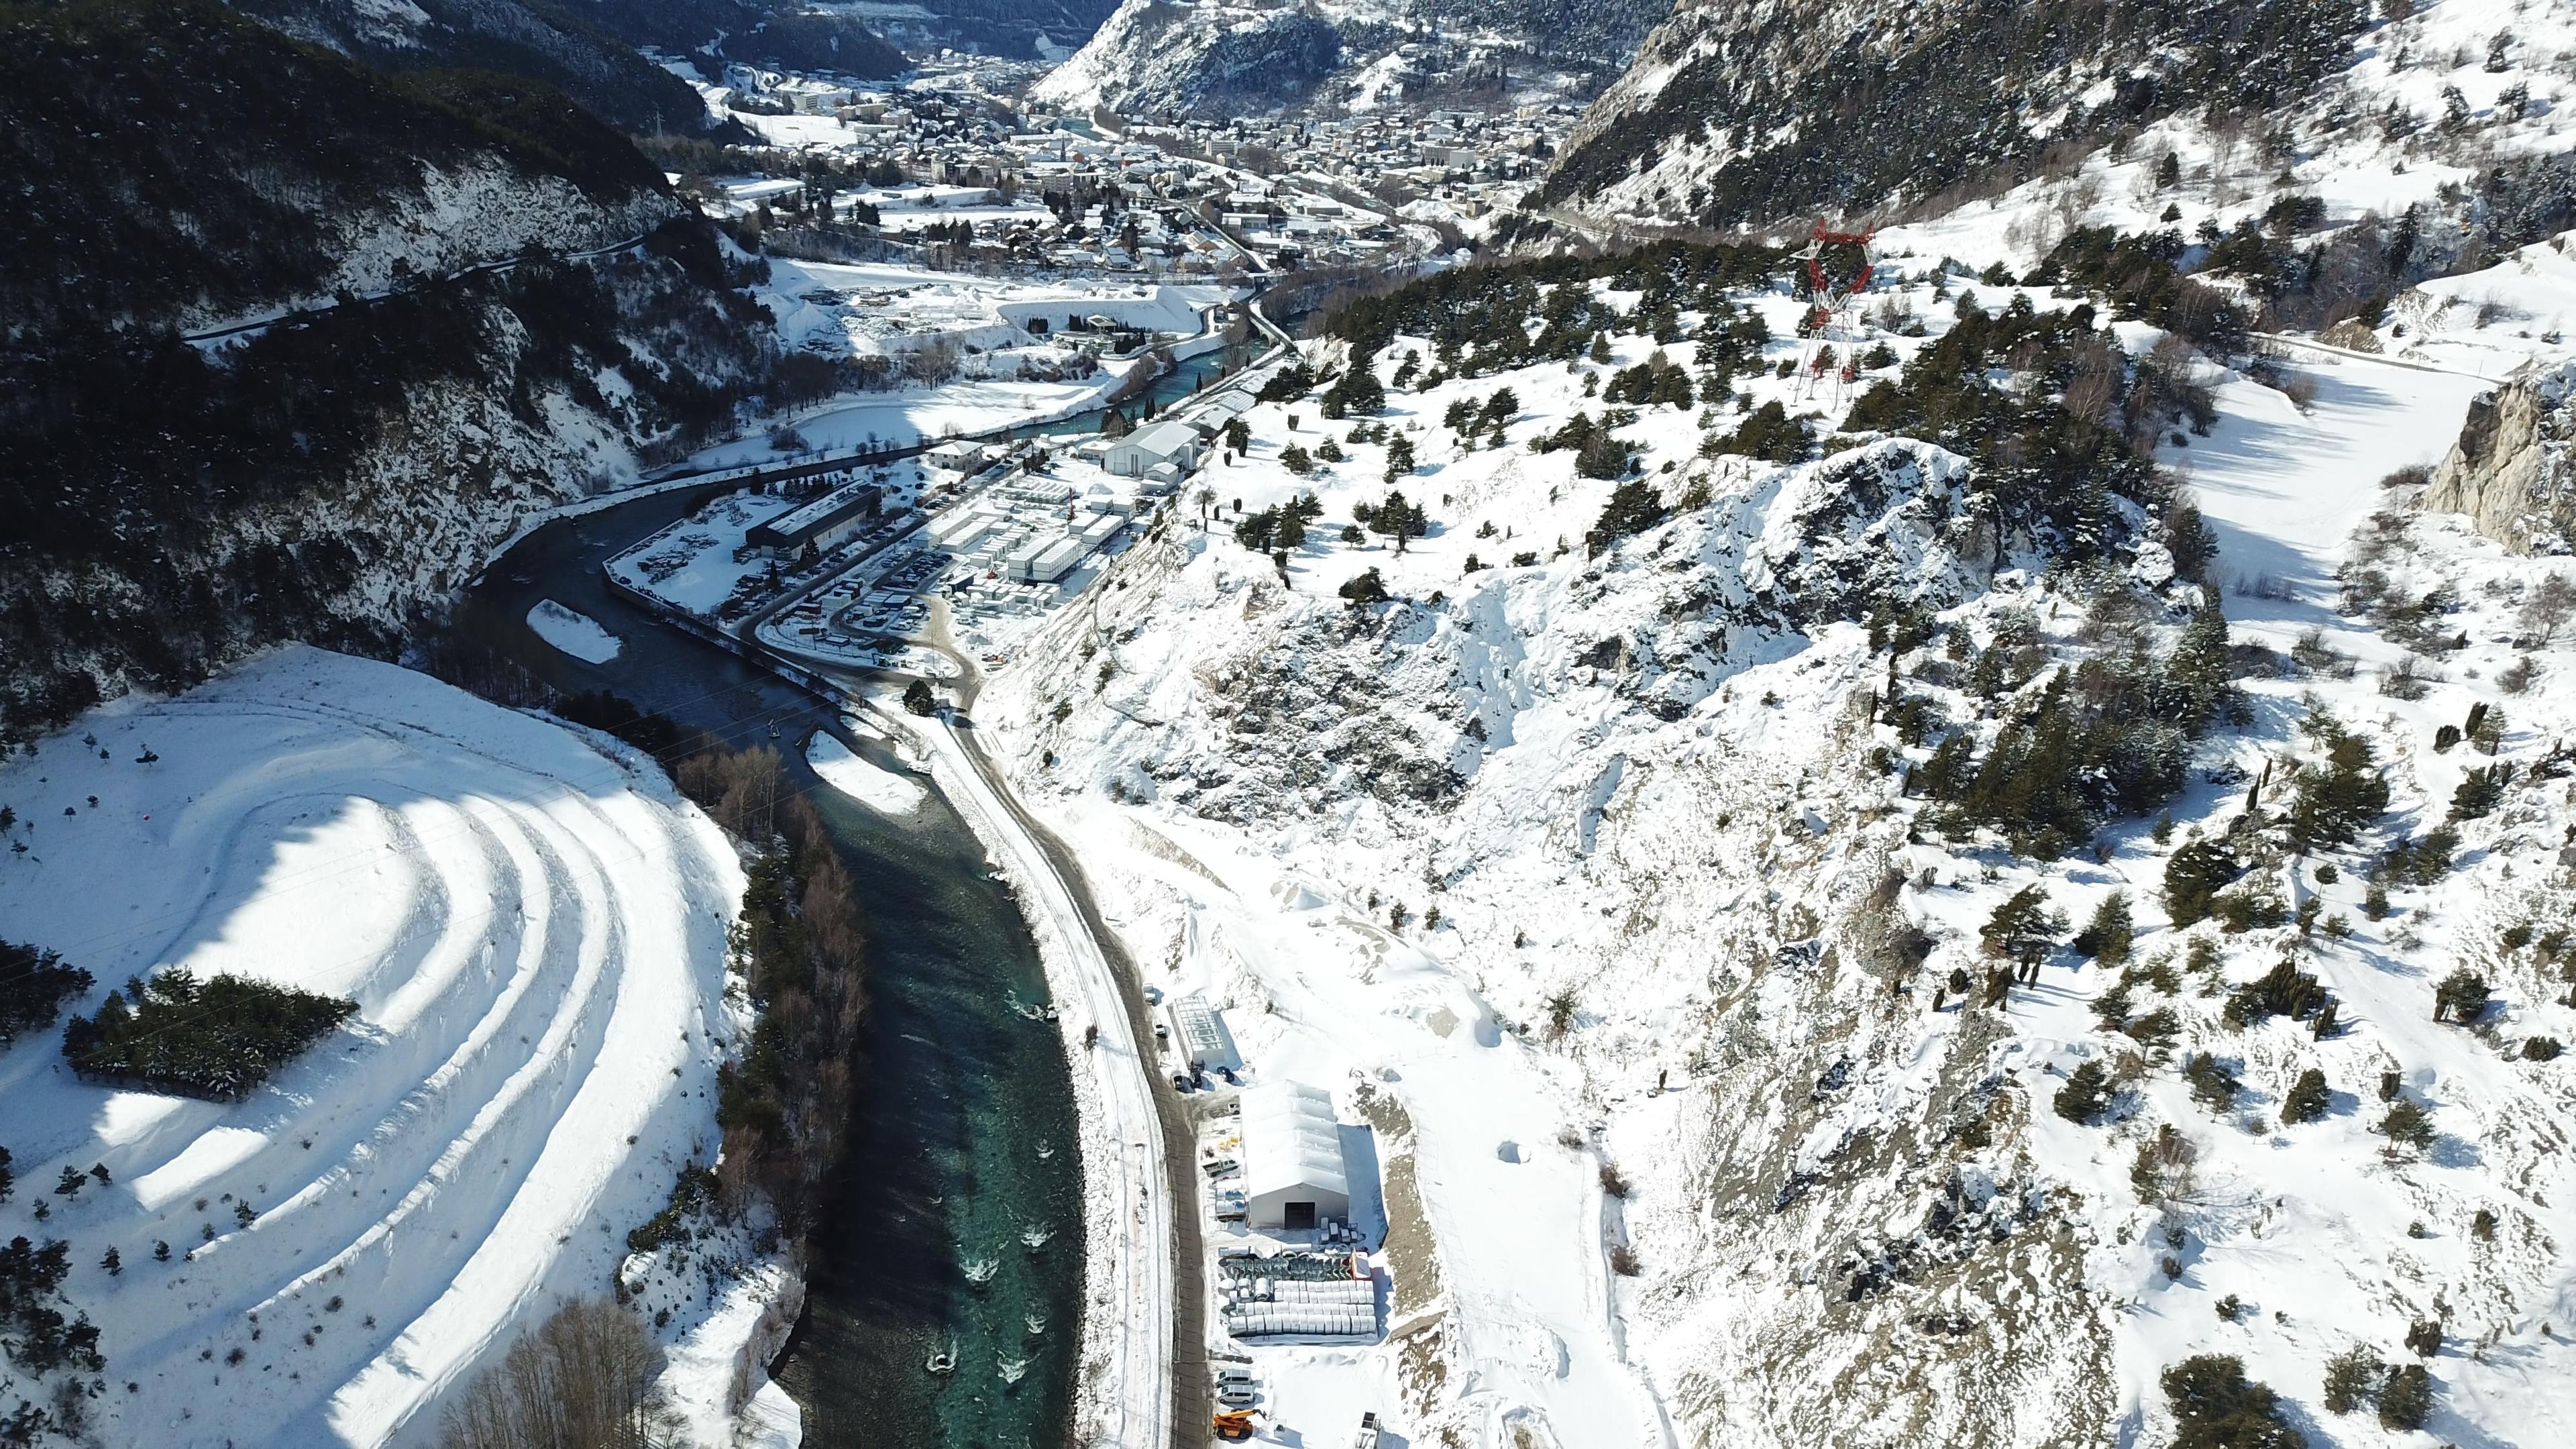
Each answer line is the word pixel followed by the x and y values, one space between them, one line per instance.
pixel 583 1379
pixel 2546 611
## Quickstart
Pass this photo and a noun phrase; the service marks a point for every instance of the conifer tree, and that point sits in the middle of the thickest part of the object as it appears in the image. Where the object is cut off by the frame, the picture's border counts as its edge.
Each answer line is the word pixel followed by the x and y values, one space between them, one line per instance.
pixel 2307 1098
pixel 2406 1397
pixel 2108 936
pixel 2462 997
pixel 2352 1379
pixel 2216 1407
pixel 2023 927
pixel 2086 1093
pixel 2408 1123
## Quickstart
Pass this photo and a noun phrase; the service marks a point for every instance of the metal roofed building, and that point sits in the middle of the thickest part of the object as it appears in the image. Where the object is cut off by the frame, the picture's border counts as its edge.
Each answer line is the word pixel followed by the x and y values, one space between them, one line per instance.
pixel 1294 1175
pixel 1167 442
pixel 825 523
pixel 1200 1039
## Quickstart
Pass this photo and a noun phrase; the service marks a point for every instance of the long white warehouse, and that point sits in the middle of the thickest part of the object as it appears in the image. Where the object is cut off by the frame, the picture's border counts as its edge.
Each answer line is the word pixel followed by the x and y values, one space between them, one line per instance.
pixel 1294 1176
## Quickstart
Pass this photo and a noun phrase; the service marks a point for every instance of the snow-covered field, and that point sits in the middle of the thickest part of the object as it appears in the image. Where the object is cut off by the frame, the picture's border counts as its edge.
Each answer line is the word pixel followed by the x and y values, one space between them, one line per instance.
pixel 872 785
pixel 573 632
pixel 532 923
pixel 911 415
pixel 884 308
pixel 1663 868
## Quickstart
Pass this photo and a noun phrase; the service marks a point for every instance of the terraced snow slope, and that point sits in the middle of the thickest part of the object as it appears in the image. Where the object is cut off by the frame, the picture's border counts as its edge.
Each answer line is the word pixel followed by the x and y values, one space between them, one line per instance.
pixel 533 924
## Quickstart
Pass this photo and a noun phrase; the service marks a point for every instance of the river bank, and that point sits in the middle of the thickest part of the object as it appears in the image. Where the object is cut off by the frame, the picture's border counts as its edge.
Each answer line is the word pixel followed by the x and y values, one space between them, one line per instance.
pixel 966 1144
pixel 1123 1391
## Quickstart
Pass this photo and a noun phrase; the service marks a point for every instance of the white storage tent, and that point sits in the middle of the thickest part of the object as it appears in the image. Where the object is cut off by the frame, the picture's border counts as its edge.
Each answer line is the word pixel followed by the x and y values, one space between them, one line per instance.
pixel 1294 1177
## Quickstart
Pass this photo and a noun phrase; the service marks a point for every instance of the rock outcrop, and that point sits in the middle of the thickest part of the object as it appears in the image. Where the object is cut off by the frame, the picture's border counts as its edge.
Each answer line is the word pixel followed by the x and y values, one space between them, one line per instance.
pixel 2513 470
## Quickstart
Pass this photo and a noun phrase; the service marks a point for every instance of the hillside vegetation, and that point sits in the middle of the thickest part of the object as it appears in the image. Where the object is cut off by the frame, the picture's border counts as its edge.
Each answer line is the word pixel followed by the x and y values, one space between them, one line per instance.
pixel 241 168
pixel 1760 113
pixel 532 39
pixel 2017 886
pixel 169 505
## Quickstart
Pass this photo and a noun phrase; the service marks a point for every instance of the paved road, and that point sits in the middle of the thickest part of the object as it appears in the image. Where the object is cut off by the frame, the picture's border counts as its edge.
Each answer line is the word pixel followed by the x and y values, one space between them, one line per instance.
pixel 498 264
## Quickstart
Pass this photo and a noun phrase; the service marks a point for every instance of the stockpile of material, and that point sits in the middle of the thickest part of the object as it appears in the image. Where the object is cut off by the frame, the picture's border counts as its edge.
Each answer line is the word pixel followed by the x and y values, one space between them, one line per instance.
pixel 1275 1298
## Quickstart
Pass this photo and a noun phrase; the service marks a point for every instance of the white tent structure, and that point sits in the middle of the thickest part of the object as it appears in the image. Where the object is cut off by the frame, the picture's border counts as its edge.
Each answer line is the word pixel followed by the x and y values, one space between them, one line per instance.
pixel 1294 1177
pixel 1138 454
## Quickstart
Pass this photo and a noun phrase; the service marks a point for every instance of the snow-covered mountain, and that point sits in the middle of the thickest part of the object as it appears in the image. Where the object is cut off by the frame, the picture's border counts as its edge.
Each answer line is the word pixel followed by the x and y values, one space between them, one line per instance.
pixel 1217 58
pixel 1640 855
pixel 1765 114
pixel 395 356
pixel 605 75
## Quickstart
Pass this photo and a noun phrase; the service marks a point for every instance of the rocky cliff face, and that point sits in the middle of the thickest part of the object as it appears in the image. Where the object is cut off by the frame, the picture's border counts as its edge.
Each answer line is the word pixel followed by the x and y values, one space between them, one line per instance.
pixel 2513 470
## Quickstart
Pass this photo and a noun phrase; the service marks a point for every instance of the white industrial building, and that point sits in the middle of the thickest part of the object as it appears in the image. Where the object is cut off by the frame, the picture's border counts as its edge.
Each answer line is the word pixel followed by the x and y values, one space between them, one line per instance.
pixel 1293 1173
pixel 1168 443
pixel 960 457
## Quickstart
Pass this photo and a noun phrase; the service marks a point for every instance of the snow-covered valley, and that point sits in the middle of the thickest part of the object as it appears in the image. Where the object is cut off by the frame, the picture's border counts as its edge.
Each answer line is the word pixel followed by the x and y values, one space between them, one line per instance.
pixel 1983 862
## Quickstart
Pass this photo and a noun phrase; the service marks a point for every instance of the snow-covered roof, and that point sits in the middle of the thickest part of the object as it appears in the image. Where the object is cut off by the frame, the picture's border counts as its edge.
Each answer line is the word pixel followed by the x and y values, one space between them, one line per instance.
pixel 1163 439
pixel 1291 1141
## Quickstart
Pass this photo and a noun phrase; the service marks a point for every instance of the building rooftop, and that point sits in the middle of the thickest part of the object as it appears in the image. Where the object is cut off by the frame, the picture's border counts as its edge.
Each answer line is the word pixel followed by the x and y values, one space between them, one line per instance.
pixel 1291 1140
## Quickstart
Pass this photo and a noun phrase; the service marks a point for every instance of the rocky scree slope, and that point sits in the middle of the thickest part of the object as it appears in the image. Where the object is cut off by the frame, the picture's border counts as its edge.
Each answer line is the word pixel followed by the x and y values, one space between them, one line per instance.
pixel 1727 813
pixel 1154 57
pixel 172 505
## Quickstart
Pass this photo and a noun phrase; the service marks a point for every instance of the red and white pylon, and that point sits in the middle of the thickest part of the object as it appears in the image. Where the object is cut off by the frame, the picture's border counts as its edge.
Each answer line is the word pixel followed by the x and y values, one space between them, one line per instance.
pixel 1831 328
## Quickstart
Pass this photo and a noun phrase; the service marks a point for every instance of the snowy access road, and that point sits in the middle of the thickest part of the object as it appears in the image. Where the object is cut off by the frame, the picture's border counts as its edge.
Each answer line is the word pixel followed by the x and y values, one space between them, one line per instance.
pixel 1123 1384
pixel 532 922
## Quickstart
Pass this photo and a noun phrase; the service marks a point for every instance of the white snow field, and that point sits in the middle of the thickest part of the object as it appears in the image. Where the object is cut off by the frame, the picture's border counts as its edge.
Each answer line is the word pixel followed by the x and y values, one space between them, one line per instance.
pixel 573 632
pixel 533 924
pixel 871 784
pixel 1005 375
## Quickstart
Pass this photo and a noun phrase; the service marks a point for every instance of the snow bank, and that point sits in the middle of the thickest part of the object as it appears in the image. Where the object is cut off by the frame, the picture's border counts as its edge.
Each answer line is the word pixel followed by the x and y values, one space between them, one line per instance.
pixel 576 634
pixel 533 924
pixel 874 786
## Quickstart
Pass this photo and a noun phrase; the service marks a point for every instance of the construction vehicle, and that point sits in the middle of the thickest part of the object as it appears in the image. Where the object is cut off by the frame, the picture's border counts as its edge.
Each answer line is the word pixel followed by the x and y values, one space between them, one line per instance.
pixel 1368 1433
pixel 1234 1425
